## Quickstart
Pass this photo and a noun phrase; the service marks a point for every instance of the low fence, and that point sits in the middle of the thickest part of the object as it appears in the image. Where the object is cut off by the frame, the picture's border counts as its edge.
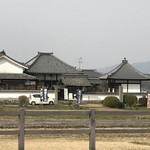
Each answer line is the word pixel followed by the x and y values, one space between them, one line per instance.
pixel 21 132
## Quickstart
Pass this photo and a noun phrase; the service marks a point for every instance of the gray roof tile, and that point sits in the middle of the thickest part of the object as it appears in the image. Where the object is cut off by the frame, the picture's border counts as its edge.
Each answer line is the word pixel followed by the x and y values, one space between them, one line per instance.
pixel 93 76
pixel 75 80
pixel 125 71
pixel 49 64
pixel 92 73
pixel 22 76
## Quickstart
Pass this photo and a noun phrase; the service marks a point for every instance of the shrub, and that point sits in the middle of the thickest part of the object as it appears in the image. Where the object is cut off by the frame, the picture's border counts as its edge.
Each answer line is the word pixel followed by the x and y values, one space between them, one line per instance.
pixel 112 102
pixel 130 100
pixel 143 101
pixel 23 101
pixel 121 105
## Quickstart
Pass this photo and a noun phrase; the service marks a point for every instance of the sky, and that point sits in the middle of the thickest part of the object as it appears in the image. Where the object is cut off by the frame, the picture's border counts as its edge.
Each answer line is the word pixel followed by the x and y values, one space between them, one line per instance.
pixel 98 33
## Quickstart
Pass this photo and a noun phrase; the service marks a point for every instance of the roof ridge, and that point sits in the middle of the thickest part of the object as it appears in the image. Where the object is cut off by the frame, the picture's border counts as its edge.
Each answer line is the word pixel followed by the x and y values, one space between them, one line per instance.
pixel 31 59
pixel 46 53
pixel 56 63
pixel 139 72
pixel 39 53
pixel 36 59
pixel 3 53
pixel 114 70
pixel 65 63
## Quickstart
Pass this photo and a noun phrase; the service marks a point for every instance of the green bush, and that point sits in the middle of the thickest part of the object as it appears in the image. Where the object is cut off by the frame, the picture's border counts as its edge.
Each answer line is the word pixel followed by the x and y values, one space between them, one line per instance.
pixel 143 101
pixel 130 100
pixel 112 102
pixel 121 105
pixel 23 101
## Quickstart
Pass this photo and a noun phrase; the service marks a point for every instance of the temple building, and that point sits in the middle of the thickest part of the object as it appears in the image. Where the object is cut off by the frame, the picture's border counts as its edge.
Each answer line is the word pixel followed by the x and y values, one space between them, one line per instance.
pixel 125 75
pixel 54 73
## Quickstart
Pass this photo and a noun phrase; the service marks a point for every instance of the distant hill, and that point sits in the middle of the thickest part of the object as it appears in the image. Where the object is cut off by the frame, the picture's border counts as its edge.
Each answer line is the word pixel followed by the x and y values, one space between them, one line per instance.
pixel 143 67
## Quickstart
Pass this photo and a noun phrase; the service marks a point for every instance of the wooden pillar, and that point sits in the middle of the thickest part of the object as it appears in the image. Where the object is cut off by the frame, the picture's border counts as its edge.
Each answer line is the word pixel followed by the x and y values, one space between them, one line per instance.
pixel 21 129
pixel 92 130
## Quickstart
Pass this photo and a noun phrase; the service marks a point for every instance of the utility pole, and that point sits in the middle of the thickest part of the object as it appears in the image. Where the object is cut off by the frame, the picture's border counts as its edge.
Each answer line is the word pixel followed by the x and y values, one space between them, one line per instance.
pixel 80 62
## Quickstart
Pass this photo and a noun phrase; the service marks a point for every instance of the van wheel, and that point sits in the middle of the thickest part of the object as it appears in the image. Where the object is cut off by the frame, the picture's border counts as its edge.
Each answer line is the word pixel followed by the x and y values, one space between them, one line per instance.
pixel 33 103
pixel 51 103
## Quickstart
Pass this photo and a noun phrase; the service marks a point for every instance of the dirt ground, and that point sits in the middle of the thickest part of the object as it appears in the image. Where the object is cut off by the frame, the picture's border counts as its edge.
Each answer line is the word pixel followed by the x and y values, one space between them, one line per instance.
pixel 76 142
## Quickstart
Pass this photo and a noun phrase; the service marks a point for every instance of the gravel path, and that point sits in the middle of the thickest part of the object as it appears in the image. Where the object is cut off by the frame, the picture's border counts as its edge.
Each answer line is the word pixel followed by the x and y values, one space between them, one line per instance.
pixel 76 143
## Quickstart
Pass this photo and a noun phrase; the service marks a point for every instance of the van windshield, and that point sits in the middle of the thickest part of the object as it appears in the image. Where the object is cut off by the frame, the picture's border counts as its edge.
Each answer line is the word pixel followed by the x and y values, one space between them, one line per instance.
pixel 36 95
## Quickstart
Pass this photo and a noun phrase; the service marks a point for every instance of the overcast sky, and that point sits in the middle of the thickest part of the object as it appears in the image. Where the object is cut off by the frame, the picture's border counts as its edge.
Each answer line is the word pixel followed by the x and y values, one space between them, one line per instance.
pixel 102 32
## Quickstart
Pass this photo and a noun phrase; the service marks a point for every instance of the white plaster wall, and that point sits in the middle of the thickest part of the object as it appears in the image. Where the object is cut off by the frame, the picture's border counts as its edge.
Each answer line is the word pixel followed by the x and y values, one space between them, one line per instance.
pixel 124 87
pixel 15 95
pixel 7 66
pixel 132 88
pixel 86 97
pixel 93 97
pixel 100 97
pixel 96 97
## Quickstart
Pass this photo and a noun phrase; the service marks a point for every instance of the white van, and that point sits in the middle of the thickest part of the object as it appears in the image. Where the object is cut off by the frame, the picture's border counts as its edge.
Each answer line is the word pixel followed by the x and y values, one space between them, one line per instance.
pixel 35 99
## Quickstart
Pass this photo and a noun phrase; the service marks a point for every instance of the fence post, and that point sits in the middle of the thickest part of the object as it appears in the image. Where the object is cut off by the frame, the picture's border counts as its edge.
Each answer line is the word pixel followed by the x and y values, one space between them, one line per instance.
pixel 21 129
pixel 92 130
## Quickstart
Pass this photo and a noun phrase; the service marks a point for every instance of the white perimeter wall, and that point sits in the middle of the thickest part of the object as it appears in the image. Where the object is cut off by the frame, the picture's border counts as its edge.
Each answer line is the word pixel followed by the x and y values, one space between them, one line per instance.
pixel 15 95
pixel 100 97
pixel 86 97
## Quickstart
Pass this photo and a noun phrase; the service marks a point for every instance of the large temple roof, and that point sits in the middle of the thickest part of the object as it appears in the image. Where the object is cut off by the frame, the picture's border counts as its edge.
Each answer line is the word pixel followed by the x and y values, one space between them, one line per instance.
pixel 48 63
pixel 125 71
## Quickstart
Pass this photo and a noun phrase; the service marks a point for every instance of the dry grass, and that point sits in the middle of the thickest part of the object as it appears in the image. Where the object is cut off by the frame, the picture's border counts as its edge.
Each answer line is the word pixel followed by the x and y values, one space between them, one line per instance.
pixel 78 142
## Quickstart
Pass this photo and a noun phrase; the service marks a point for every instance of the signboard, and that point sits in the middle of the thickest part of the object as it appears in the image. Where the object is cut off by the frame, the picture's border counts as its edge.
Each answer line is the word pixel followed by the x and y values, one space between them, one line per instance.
pixel 148 101
pixel 44 94
pixel 66 93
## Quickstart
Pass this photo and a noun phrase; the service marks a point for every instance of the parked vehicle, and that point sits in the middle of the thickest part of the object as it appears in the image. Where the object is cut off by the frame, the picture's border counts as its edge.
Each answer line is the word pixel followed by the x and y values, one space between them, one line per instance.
pixel 35 99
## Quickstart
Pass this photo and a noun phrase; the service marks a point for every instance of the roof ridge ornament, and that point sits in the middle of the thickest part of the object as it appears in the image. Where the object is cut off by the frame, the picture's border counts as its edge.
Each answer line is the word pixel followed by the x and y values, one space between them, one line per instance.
pixel 124 61
pixel 3 52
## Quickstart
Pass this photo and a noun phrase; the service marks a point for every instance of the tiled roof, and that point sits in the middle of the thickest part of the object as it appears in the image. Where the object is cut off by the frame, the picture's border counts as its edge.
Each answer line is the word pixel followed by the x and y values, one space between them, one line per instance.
pixel 3 54
pixel 48 63
pixel 93 76
pixel 75 80
pixel 22 76
pixel 92 73
pixel 125 71
pixel 94 81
